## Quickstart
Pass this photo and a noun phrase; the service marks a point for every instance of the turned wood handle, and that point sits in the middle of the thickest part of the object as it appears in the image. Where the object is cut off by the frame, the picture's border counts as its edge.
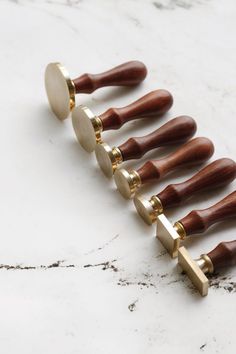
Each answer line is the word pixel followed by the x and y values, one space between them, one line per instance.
pixel 224 255
pixel 127 74
pixel 177 130
pixel 154 103
pixel 194 152
pixel 198 221
pixel 219 173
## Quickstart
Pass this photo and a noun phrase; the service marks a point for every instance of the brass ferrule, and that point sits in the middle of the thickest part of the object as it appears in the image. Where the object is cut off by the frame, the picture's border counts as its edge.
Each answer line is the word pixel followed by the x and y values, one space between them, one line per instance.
pixel 156 204
pixel 205 264
pixel 135 181
pixel 98 128
pixel 117 155
pixel 70 85
pixel 72 93
pixel 179 228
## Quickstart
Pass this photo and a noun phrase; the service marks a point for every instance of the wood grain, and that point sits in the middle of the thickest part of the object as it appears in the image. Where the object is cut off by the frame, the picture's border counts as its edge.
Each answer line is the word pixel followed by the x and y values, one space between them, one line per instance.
pixel 177 130
pixel 155 103
pixel 224 255
pixel 199 221
pixel 194 152
pixel 127 74
pixel 217 174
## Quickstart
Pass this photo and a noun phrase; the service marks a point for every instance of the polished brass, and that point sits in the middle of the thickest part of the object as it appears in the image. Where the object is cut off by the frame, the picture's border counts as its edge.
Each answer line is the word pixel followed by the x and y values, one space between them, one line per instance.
pixel 60 90
pixel 127 182
pixel 205 264
pixel 196 269
pixel 87 127
pixel 168 235
pixel 148 209
pixel 108 158
pixel 180 229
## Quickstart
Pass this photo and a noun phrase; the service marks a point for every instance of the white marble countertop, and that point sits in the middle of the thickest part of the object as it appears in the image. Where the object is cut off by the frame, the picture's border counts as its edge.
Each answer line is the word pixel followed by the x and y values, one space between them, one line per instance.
pixel 80 272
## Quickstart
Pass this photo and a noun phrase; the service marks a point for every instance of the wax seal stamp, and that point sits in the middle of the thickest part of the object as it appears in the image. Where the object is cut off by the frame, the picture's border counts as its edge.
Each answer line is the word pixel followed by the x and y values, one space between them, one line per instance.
pixel 217 174
pixel 194 152
pixel 196 222
pixel 88 127
pixel 224 255
pixel 177 130
pixel 61 89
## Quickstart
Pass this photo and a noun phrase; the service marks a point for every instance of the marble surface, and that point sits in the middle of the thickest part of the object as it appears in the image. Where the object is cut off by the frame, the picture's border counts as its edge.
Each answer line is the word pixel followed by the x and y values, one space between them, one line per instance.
pixel 80 272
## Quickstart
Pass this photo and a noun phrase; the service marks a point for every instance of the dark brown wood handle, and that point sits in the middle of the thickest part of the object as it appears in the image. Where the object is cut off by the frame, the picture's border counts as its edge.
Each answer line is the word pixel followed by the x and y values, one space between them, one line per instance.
pixel 198 221
pixel 177 130
pixel 127 74
pixel 194 152
pixel 224 255
pixel 219 173
pixel 154 103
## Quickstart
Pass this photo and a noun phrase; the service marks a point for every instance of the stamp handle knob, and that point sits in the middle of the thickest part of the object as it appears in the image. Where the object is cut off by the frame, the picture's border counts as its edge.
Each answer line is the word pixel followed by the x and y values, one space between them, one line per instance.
pixel 177 130
pixel 194 152
pixel 127 74
pixel 217 174
pixel 224 255
pixel 154 103
pixel 199 221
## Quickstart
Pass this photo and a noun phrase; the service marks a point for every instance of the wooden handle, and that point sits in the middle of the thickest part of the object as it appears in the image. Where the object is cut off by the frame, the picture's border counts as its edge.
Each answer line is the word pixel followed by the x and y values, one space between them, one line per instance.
pixel 127 74
pixel 177 130
pixel 194 152
pixel 224 255
pixel 219 173
pixel 198 221
pixel 154 103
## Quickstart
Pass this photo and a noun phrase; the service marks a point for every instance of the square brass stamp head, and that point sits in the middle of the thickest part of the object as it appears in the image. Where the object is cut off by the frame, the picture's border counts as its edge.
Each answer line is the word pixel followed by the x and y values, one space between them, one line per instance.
pixel 87 127
pixel 60 90
pixel 194 272
pixel 168 235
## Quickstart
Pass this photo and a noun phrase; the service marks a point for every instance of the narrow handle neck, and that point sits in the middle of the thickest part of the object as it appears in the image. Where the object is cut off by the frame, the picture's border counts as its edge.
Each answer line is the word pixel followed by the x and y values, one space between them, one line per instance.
pixel 224 255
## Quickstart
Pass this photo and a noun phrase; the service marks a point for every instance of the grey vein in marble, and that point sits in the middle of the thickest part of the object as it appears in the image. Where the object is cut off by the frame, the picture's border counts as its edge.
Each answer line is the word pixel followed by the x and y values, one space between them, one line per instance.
pixel 173 4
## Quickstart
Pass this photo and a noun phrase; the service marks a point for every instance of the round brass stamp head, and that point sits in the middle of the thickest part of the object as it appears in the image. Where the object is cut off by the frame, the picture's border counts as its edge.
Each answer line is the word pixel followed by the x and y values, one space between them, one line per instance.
pixel 60 90
pixel 87 127
pixel 145 209
pixel 126 182
pixel 106 159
